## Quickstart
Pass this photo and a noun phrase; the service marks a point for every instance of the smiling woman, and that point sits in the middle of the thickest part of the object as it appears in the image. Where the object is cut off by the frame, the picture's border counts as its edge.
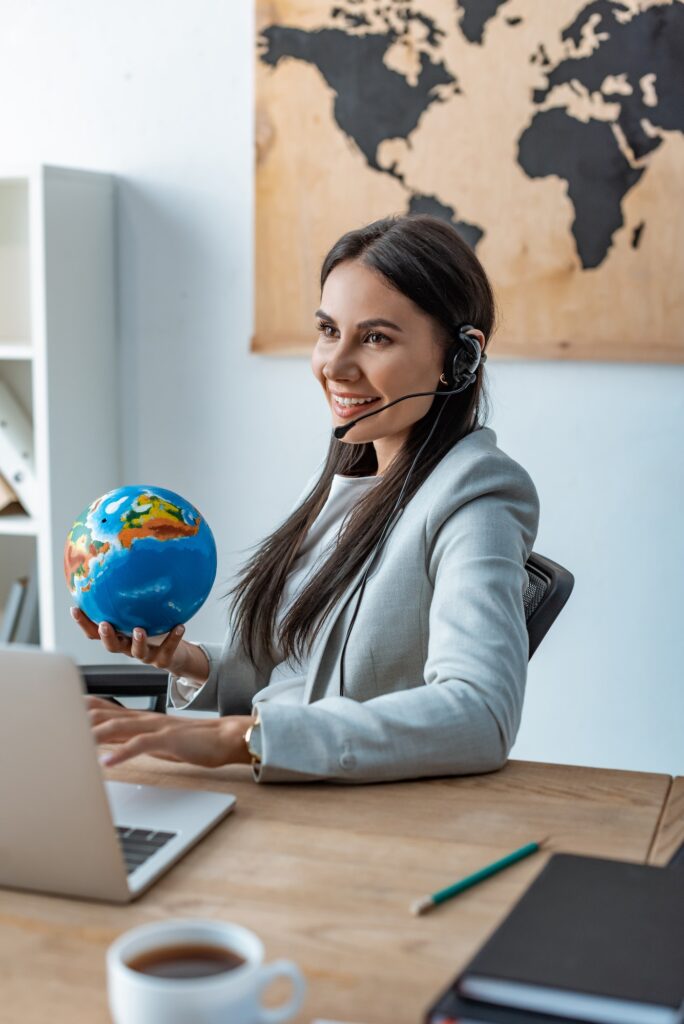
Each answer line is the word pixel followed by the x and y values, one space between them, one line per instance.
pixel 416 511
pixel 415 278
pixel 408 358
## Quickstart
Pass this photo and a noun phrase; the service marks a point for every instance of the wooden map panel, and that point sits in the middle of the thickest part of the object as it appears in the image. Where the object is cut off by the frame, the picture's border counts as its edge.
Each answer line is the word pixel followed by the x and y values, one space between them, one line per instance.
pixel 550 134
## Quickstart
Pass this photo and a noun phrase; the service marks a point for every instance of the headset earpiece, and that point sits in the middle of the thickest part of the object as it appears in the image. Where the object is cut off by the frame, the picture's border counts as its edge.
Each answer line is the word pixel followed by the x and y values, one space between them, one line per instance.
pixel 463 359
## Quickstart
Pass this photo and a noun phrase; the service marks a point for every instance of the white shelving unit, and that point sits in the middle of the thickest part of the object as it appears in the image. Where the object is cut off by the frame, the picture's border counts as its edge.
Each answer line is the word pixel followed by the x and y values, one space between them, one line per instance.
pixel 58 356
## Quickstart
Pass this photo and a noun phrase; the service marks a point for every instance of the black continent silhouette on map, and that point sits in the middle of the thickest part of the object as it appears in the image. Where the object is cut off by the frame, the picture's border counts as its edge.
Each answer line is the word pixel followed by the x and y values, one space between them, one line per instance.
pixel 374 103
pixel 588 156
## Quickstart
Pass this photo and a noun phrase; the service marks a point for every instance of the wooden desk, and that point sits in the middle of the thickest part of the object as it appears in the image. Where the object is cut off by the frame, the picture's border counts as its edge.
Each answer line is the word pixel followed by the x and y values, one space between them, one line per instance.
pixel 670 833
pixel 325 875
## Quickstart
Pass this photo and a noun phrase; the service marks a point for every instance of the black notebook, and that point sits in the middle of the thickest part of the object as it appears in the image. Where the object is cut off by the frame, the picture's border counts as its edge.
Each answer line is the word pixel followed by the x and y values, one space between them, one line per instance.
pixel 451 1008
pixel 598 940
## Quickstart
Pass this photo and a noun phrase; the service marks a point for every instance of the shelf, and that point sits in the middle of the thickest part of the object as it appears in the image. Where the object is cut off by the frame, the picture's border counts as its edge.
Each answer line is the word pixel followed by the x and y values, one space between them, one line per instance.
pixel 57 336
pixel 18 526
pixel 17 375
pixel 15 314
pixel 15 350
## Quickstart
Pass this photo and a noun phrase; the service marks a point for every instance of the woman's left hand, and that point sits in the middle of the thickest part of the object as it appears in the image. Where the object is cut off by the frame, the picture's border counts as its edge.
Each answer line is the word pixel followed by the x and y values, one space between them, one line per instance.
pixel 208 742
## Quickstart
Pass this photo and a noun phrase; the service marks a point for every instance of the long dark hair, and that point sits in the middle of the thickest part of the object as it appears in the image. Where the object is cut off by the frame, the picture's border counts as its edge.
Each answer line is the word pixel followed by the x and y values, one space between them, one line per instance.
pixel 426 260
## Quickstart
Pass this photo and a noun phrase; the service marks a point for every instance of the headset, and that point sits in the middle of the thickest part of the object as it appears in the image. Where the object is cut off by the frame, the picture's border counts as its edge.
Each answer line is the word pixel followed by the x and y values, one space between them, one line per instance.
pixel 460 371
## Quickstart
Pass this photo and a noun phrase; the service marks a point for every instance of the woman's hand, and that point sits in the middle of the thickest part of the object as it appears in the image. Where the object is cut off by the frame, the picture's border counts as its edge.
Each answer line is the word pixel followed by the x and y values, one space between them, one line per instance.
pixel 207 742
pixel 174 654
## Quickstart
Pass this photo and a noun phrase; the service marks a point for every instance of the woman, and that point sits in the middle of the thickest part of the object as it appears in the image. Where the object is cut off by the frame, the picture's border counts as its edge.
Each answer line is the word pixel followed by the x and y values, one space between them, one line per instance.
pixel 379 632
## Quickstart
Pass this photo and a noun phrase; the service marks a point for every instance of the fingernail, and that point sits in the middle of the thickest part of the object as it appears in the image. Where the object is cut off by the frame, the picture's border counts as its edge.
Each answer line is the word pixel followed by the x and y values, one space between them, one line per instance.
pixel 104 628
pixel 106 759
pixel 137 633
pixel 179 630
pixel 73 612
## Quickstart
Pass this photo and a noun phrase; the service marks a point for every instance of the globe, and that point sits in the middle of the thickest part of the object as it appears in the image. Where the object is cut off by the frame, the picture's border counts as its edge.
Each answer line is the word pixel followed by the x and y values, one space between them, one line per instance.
pixel 140 556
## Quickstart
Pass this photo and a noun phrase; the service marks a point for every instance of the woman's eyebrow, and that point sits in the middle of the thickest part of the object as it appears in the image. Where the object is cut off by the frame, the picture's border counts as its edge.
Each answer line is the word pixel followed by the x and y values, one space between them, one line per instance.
pixel 375 322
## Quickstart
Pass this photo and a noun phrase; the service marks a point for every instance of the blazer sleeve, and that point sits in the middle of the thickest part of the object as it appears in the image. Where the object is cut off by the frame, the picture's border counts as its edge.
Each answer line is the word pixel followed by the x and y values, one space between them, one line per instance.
pixel 234 695
pixel 462 717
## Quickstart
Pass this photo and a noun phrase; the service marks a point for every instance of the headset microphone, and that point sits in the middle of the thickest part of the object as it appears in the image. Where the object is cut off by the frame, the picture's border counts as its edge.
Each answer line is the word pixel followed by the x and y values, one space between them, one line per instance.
pixel 460 366
pixel 339 432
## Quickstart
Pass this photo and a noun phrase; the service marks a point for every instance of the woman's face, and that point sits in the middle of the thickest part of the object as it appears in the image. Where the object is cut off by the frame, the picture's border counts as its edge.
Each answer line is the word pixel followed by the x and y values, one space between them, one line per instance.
pixel 374 343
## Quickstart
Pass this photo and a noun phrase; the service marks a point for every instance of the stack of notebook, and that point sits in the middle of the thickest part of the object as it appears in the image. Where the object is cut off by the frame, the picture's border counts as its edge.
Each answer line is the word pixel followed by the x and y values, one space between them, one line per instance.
pixel 591 941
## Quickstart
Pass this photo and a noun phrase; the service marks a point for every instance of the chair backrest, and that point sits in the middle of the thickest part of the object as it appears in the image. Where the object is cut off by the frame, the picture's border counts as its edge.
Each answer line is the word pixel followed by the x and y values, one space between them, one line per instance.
pixel 548 588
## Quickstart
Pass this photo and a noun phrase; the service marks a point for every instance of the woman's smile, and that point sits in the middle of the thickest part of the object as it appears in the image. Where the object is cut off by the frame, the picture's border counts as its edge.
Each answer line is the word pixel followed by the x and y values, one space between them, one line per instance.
pixel 346 405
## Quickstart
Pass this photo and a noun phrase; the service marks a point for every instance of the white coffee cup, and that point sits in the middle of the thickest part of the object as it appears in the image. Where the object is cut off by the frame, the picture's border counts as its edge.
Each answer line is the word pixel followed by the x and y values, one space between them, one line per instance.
pixel 231 997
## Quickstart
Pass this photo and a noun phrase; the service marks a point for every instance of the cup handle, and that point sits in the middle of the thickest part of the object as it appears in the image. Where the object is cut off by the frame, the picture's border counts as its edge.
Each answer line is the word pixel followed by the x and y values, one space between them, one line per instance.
pixel 281 969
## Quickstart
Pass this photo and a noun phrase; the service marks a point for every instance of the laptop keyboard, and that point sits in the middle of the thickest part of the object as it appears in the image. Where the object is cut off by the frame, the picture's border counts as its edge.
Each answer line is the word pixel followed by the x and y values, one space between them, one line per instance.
pixel 138 844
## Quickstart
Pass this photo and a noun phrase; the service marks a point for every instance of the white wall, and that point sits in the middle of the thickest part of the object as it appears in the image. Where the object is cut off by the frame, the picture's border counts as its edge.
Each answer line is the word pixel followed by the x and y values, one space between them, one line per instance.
pixel 161 94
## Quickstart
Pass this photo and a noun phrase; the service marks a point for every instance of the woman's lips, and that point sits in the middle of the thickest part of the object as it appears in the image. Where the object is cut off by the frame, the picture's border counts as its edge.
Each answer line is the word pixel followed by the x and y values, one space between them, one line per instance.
pixel 348 412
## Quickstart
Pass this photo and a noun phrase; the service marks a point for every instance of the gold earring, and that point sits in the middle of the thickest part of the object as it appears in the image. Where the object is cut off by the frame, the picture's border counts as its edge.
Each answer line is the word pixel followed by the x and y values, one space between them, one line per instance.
pixel 443 379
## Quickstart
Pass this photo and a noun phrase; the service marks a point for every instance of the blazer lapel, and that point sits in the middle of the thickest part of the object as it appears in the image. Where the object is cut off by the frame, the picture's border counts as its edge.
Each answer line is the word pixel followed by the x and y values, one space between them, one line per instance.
pixel 319 648
pixel 313 680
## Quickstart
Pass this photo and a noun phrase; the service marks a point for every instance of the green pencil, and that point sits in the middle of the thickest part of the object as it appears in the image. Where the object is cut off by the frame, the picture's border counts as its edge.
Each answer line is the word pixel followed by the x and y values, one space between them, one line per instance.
pixel 427 902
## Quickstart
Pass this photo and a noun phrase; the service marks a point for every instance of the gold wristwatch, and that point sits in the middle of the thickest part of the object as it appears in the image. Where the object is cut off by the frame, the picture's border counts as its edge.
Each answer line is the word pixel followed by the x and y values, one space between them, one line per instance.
pixel 253 739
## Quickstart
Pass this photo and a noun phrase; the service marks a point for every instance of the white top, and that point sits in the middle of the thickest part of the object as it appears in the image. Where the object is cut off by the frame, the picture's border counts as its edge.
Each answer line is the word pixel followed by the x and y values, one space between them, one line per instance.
pixel 286 682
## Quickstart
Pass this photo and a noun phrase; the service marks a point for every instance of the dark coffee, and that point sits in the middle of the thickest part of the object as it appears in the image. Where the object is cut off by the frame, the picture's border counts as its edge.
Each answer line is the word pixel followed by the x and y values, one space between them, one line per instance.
pixel 186 961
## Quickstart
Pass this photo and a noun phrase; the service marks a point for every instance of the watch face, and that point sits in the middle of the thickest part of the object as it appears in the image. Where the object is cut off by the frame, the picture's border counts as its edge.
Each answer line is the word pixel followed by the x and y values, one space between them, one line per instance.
pixel 255 741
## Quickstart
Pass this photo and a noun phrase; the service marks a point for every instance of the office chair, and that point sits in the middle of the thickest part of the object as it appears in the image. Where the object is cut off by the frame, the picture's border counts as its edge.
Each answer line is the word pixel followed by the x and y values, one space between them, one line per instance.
pixel 548 588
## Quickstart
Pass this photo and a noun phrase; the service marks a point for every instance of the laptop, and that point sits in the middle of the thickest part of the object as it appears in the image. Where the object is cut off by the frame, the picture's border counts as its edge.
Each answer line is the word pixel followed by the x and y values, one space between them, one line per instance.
pixel 64 829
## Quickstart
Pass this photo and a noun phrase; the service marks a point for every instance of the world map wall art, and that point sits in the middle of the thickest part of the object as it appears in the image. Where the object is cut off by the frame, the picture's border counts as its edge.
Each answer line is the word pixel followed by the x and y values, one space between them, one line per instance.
pixel 550 133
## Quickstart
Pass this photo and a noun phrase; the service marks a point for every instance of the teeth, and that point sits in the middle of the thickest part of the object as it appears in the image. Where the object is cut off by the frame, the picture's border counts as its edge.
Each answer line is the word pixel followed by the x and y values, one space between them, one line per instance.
pixel 353 401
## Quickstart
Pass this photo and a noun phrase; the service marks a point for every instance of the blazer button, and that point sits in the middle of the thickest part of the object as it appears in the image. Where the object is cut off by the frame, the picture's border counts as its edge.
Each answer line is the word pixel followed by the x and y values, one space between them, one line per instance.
pixel 348 761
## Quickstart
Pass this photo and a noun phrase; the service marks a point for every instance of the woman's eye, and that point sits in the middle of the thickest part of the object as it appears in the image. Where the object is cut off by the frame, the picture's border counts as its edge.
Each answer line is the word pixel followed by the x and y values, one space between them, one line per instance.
pixel 375 337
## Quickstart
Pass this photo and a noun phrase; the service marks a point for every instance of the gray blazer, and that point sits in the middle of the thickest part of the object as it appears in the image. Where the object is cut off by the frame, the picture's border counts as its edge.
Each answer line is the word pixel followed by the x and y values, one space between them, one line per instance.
pixel 436 663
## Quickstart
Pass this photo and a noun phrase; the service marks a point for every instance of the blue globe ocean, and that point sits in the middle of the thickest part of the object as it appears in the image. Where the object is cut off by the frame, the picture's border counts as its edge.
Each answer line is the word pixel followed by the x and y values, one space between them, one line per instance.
pixel 140 556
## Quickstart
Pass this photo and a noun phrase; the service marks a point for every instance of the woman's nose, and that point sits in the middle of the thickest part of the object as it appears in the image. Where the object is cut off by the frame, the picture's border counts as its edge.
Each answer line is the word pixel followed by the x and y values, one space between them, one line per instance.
pixel 340 365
